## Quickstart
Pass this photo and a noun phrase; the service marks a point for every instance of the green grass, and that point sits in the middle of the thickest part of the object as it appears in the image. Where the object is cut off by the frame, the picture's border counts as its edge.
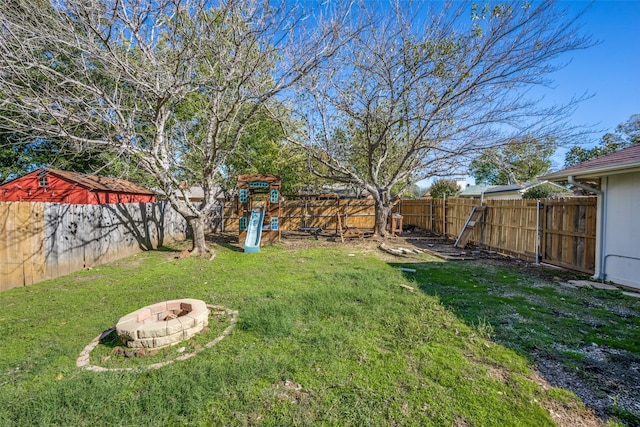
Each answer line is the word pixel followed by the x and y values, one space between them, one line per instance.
pixel 528 312
pixel 323 338
pixel 525 309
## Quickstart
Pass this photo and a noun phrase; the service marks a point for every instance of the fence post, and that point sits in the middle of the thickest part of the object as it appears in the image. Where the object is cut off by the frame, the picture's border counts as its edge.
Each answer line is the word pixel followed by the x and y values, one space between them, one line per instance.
pixel 538 230
pixel 304 214
pixel 431 216
pixel 222 219
pixel 444 216
pixel 346 215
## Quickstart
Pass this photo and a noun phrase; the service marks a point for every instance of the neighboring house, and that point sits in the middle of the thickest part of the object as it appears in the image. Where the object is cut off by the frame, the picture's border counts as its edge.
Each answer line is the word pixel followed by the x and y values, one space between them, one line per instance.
pixel 617 230
pixel 515 191
pixel 344 191
pixel 475 191
pixel 192 193
pixel 195 194
pixel 51 185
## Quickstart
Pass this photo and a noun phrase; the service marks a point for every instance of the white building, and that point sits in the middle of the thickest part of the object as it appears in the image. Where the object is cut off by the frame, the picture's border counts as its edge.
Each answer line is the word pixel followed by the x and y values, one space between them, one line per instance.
pixel 618 224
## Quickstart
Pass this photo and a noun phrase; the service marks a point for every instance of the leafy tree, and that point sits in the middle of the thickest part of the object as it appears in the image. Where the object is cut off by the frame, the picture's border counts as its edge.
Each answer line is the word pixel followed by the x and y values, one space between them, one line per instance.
pixel 544 191
pixel 411 192
pixel 422 87
pixel 15 159
pixel 264 150
pixel 626 134
pixel 518 161
pixel 444 187
pixel 172 86
pixel 20 157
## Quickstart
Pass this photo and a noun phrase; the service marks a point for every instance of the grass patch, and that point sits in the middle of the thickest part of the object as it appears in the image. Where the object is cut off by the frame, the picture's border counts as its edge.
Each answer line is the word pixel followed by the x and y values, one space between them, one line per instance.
pixel 594 334
pixel 323 338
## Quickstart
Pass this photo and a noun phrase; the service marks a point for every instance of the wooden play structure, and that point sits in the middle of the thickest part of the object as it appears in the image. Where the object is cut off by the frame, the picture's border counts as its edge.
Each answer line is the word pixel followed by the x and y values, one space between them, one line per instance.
pixel 258 208
pixel 307 213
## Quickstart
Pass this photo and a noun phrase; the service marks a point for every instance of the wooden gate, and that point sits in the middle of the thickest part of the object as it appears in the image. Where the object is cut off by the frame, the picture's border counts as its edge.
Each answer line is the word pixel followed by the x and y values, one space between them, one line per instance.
pixel 569 233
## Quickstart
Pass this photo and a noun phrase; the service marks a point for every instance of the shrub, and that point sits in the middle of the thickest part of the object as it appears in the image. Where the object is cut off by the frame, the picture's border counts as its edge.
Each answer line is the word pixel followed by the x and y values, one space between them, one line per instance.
pixel 443 187
pixel 543 191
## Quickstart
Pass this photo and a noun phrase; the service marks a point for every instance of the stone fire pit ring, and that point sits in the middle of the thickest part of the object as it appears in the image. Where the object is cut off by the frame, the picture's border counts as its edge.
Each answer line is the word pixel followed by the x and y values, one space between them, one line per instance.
pixel 163 324
pixel 83 360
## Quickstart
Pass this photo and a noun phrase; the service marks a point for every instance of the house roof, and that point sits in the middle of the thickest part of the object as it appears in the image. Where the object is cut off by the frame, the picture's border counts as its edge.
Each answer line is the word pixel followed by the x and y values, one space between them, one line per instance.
pixel 513 188
pixel 475 190
pixel 101 183
pixel 621 161
pixel 195 192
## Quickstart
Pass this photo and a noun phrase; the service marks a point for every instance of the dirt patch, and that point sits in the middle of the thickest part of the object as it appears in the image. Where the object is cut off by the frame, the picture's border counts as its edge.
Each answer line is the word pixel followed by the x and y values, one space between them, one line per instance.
pixel 616 373
pixel 567 414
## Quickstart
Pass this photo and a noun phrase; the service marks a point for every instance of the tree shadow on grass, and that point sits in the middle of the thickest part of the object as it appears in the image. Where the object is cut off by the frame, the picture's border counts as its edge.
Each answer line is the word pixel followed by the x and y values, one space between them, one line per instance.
pixel 578 339
pixel 226 240
pixel 166 249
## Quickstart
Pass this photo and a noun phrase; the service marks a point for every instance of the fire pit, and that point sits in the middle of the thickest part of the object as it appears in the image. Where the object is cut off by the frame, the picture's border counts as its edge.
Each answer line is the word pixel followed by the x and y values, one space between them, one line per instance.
pixel 163 324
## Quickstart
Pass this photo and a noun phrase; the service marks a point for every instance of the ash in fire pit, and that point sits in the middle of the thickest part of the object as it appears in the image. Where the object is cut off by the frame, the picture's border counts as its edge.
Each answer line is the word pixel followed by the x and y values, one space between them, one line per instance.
pixel 163 324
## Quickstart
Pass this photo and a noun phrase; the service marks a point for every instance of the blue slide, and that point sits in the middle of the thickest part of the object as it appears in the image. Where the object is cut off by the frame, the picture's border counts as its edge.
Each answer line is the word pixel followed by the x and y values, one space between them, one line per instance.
pixel 254 231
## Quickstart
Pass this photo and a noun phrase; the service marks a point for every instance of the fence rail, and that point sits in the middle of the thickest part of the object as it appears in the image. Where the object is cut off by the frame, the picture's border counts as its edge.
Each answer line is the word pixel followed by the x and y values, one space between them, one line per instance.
pixel 319 213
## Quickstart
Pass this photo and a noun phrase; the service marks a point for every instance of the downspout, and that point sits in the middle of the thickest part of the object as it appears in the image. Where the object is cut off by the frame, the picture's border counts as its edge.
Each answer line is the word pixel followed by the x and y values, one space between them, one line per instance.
pixel 602 220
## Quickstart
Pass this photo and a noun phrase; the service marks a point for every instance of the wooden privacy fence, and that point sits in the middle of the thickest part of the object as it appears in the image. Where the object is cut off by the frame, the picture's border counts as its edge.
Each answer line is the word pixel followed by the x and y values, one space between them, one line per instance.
pixel 314 213
pixel 41 241
pixel 569 233
pixel 559 231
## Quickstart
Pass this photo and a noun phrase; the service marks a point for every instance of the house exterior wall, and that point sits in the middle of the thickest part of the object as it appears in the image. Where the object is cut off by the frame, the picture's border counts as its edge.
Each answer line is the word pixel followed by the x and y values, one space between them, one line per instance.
pixel 29 189
pixel 621 240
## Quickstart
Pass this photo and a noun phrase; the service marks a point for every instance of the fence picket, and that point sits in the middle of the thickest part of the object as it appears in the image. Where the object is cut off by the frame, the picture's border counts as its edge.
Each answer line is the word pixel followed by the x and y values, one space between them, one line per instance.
pixel 40 241
pixel 510 227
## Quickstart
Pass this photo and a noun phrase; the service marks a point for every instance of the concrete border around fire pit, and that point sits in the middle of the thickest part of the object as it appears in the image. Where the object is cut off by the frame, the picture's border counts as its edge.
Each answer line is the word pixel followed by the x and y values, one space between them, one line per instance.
pixel 83 360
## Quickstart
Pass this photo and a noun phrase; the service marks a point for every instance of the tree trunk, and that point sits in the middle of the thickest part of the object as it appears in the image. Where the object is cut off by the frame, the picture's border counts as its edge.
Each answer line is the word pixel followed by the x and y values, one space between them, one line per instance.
pixel 382 215
pixel 199 243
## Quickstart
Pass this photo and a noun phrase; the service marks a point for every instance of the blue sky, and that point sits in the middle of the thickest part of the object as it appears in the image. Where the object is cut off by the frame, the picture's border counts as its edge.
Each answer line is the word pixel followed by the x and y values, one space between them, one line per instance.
pixel 609 71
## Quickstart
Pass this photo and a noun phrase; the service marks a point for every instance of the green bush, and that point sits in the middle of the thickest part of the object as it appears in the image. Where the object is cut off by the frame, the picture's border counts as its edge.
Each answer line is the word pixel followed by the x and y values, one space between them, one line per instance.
pixel 544 191
pixel 444 187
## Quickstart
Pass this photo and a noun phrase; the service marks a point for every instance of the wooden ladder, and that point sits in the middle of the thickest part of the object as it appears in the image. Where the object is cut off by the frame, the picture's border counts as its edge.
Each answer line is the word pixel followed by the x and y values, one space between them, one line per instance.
pixel 465 234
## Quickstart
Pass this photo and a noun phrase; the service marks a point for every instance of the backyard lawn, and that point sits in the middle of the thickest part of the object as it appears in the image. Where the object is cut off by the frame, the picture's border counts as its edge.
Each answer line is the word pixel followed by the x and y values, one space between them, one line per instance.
pixel 326 335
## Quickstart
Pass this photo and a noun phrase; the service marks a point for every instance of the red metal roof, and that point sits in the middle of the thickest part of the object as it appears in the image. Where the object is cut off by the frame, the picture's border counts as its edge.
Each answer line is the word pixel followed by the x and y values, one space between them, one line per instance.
pixel 102 183
pixel 627 158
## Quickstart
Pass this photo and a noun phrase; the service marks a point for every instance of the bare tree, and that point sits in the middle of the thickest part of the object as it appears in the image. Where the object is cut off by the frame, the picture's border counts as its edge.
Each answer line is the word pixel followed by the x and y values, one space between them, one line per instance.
pixel 171 84
pixel 417 92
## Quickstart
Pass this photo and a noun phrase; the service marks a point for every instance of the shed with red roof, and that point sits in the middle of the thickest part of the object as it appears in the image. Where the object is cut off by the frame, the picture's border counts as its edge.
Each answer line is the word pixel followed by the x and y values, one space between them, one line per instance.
pixel 52 185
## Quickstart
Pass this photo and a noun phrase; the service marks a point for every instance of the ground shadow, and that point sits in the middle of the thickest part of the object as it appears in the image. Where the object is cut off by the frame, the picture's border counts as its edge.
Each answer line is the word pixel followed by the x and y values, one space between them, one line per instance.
pixel 226 240
pixel 584 340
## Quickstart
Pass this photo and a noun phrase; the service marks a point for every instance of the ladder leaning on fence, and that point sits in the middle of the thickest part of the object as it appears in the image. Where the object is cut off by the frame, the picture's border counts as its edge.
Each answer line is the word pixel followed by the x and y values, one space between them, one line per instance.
pixel 469 226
